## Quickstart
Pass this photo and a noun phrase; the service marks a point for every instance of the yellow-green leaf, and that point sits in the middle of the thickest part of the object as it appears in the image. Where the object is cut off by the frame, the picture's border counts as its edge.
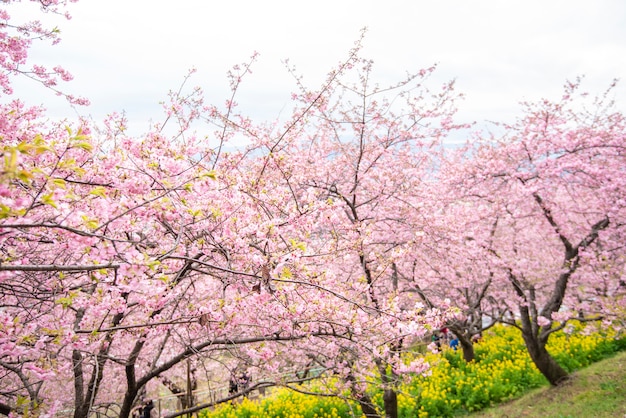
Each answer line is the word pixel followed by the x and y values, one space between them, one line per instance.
pixel 286 273
pixel 40 149
pixel 24 175
pixel 5 211
pixel 153 264
pixel 99 191
pixel 48 200
pixel 60 183
pixel 85 145
pixel 90 223
pixel 195 213
pixel 10 160
pixel 297 244
pixel 212 174
pixel 24 147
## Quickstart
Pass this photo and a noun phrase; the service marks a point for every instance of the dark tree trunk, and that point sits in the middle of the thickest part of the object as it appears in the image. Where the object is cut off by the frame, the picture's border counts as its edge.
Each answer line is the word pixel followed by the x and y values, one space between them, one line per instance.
pixel 128 403
pixel 132 388
pixel 465 340
pixel 83 399
pixel 390 398
pixel 365 402
pixel 390 380
pixel 535 339
pixel 80 409
pixel 368 408
pixel 467 347
pixel 544 361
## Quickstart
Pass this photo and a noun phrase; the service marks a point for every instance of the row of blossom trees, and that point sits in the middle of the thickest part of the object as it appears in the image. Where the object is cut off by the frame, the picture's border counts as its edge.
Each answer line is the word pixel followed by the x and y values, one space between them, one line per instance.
pixel 337 239
pixel 551 218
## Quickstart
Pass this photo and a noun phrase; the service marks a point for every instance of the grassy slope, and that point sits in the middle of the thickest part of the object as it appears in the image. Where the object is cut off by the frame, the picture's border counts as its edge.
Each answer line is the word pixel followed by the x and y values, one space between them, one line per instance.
pixel 597 391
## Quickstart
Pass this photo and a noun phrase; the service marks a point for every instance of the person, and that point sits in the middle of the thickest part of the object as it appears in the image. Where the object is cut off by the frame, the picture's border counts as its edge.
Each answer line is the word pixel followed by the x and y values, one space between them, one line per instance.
pixel 233 385
pixel 454 342
pixel 244 381
pixel 146 412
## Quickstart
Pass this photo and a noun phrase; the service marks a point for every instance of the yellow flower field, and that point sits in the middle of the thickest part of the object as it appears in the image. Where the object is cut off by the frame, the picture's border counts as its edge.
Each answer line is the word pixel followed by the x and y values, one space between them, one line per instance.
pixel 502 370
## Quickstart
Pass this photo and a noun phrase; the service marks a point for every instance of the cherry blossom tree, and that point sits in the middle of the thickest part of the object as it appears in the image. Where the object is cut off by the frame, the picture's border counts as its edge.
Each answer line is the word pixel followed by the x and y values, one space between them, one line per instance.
pixel 364 153
pixel 123 258
pixel 448 268
pixel 128 255
pixel 549 209
pixel 90 231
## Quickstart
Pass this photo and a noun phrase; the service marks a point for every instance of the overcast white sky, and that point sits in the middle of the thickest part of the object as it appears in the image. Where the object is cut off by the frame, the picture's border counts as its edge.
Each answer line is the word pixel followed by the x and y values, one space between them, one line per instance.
pixel 127 54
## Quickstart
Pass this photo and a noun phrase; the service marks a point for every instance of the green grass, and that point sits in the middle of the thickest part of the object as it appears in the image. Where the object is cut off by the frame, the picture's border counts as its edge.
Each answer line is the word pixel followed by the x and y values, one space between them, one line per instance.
pixel 597 391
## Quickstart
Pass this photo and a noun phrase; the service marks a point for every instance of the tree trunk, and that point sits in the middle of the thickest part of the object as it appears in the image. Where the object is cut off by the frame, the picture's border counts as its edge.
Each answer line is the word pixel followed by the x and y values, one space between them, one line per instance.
pixel 389 380
pixel 83 400
pixel 534 337
pixel 127 404
pixel 536 345
pixel 368 408
pixel 365 402
pixel 132 389
pixel 80 409
pixel 546 364
pixel 467 347
pixel 390 398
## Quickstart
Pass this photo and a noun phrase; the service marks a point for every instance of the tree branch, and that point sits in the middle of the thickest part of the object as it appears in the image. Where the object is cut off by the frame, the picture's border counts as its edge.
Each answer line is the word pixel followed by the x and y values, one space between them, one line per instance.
pixel 57 267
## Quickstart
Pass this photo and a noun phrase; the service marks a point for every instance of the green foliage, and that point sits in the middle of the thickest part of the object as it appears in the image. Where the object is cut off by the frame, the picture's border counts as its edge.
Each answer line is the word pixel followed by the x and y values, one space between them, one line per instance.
pixel 502 371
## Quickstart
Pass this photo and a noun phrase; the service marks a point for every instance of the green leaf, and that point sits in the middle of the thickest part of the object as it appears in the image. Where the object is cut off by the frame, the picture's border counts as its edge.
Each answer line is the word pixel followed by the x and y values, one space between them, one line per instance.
pixel 48 200
pixel 85 145
pixel 10 160
pixel 66 302
pixel 286 273
pixel 99 191
pixel 196 213
pixel 297 244
pixel 24 176
pixel 153 264
pixel 212 174
pixel 60 183
pixel 90 223
pixel 24 147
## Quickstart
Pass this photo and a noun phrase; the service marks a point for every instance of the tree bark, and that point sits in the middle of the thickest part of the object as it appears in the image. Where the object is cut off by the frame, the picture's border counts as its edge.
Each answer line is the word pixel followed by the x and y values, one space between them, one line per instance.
pixel 467 347
pixel 390 398
pixel 365 402
pixel 465 340
pixel 535 339
pixel 368 408
pixel 546 364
